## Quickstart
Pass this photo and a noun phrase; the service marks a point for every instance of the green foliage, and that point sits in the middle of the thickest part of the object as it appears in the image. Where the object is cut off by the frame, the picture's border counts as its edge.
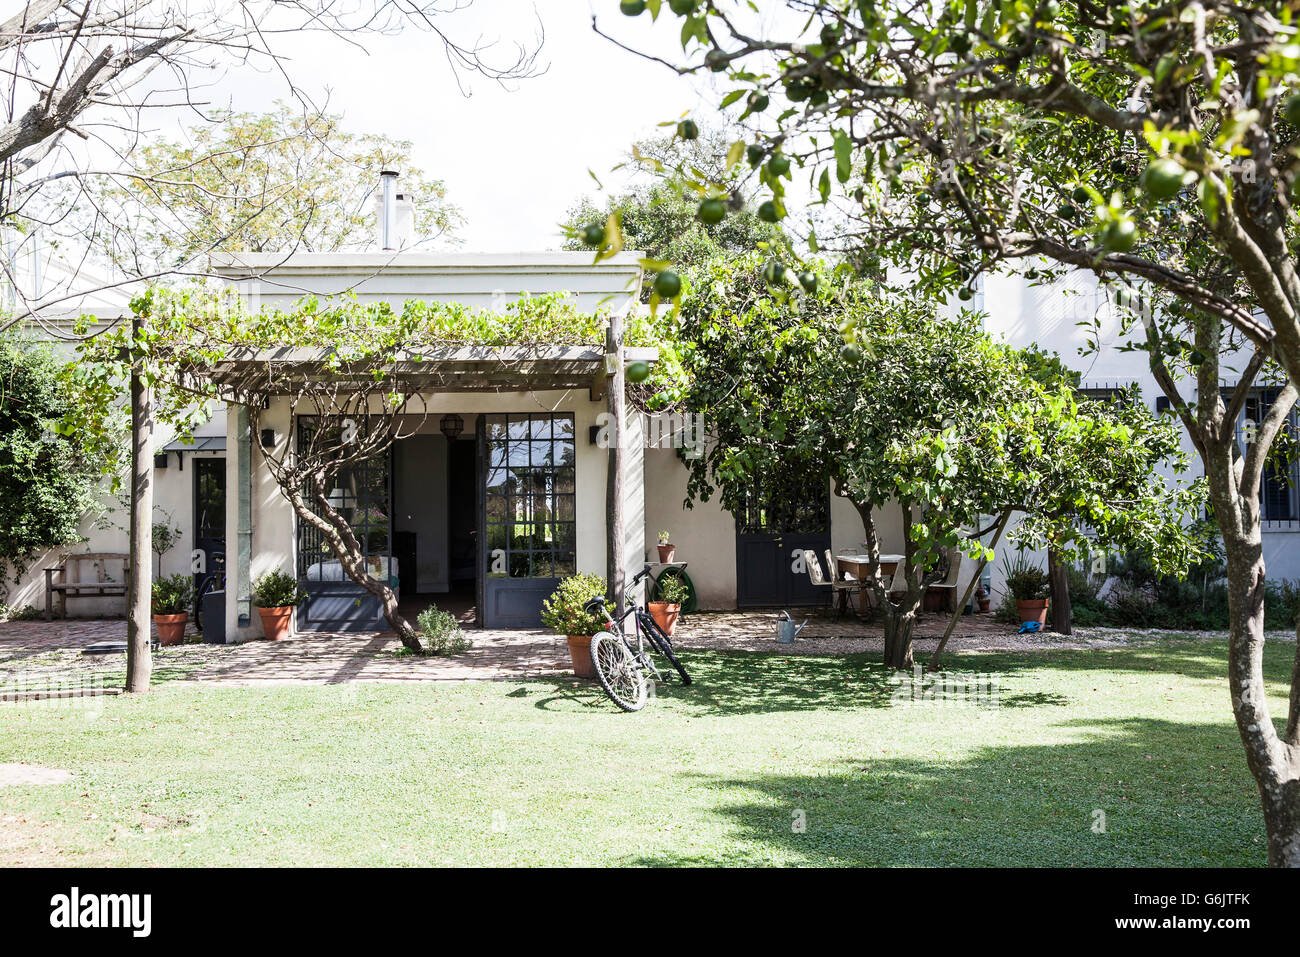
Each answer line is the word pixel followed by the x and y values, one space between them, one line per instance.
pixel 441 632
pixel 276 589
pixel 264 182
pixel 671 589
pixel 563 610
pixel 49 478
pixel 173 594
pixel 920 412
pixel 668 219
pixel 187 331
pixel 1024 580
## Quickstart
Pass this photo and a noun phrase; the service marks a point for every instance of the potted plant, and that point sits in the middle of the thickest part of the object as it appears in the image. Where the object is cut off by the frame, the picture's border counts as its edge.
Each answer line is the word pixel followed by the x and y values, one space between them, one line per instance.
pixel 982 597
pixel 171 600
pixel 276 595
pixel 1028 585
pixel 670 591
pixel 563 613
pixel 667 552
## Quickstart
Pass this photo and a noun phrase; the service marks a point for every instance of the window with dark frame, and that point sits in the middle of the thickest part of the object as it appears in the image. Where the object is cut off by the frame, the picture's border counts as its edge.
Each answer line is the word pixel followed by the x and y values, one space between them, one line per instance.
pixel 362 494
pixel 531 523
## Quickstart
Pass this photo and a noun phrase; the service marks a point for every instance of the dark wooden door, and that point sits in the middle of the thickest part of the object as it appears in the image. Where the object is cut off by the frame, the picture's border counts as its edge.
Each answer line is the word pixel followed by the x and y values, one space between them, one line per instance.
pixel 775 526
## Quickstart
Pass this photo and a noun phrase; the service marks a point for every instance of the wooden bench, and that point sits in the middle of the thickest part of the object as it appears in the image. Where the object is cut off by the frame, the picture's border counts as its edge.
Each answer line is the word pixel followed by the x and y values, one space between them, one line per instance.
pixel 76 580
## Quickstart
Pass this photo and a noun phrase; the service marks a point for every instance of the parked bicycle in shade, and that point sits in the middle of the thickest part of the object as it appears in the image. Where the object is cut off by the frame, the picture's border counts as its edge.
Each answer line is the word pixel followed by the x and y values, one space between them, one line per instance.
pixel 621 664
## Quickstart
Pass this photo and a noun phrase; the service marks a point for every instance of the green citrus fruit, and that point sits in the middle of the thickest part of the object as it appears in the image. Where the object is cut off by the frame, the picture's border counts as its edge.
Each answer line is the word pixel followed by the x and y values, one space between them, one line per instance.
pixel 754 153
pixel 773 273
pixel 1120 236
pixel 769 212
pixel 779 164
pixel 637 371
pixel 1163 179
pixel 965 294
pixel 1118 168
pixel 758 101
pixel 687 130
pixel 851 353
pixel 1067 212
pixel 809 281
pixel 633 8
pixel 1080 195
pixel 683 8
pixel 667 285
pixel 716 60
pixel 712 211
pixel 594 235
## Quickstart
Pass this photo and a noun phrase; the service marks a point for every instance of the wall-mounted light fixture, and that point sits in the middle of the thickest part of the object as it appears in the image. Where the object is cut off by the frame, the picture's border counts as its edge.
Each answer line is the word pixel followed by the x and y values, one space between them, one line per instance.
pixel 452 426
pixel 160 460
pixel 268 438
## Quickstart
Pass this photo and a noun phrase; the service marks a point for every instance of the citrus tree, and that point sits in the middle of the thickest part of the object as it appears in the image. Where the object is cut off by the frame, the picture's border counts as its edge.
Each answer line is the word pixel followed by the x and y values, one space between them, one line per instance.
pixel 930 416
pixel 1152 143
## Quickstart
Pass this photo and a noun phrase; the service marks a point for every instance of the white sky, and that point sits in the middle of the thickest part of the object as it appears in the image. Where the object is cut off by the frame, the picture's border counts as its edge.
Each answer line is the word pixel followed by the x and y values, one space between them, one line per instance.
pixel 514 160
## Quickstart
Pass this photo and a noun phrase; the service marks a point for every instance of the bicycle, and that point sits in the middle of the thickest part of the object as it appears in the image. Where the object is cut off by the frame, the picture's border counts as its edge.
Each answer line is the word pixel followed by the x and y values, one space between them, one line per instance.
pixel 621 669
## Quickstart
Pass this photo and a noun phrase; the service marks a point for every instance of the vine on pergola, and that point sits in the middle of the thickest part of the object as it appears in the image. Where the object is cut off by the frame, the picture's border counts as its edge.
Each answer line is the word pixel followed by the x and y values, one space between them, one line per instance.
pixel 357 388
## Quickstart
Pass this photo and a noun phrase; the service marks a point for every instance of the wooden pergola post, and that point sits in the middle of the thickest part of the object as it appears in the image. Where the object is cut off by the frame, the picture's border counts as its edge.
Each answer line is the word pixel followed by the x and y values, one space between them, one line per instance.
pixel 614 535
pixel 140 567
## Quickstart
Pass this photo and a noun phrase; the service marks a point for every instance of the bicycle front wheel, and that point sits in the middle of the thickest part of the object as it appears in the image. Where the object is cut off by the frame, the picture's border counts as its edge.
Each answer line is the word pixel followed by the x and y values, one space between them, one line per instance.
pixel 618 673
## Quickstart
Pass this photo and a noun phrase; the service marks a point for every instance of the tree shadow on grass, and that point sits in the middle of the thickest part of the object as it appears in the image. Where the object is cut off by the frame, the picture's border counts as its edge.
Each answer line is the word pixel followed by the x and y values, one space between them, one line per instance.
pixel 1135 792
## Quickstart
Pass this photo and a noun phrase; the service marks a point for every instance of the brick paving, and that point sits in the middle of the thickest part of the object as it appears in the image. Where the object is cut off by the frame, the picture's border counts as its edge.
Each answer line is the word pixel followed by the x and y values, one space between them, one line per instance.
pixel 53 648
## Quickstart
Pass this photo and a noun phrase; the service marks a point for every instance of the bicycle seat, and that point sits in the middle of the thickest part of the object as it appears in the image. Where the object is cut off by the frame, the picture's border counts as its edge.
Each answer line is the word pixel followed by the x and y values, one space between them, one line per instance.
pixel 595 606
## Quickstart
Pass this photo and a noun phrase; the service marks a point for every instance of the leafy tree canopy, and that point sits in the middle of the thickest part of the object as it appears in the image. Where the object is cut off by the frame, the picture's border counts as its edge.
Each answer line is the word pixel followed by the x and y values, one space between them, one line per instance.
pixel 265 182
pixel 48 480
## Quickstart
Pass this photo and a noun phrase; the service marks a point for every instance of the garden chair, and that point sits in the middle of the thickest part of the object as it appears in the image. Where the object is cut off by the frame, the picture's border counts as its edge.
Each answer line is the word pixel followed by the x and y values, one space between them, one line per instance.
pixel 948 587
pixel 838 590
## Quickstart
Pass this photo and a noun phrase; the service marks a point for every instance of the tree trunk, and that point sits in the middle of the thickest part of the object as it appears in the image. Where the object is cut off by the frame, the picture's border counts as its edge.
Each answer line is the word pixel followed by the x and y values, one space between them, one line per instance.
pixel 615 537
pixel 899 625
pixel 343 543
pixel 1274 761
pixel 1061 612
pixel 139 665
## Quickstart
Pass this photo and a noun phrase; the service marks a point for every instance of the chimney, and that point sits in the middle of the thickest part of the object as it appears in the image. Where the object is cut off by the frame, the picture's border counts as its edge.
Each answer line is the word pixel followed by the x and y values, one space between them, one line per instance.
pixel 394 214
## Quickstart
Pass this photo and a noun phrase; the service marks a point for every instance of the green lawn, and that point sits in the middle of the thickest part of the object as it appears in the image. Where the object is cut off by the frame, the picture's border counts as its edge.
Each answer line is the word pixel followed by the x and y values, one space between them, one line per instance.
pixel 549 773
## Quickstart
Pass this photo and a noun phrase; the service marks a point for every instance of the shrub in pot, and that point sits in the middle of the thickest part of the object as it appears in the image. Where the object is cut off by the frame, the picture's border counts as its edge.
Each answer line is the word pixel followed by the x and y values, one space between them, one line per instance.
pixel 1028 586
pixel 276 595
pixel 170 603
pixel 670 591
pixel 667 552
pixel 563 613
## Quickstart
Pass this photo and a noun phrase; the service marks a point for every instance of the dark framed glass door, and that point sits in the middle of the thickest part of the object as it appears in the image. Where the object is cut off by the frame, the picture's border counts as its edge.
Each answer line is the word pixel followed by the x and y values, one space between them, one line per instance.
pixel 528 520
pixel 776 523
pixel 209 514
pixel 362 493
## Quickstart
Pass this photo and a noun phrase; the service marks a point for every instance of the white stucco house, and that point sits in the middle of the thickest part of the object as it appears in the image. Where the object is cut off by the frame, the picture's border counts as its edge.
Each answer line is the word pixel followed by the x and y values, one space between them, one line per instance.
pixel 446 507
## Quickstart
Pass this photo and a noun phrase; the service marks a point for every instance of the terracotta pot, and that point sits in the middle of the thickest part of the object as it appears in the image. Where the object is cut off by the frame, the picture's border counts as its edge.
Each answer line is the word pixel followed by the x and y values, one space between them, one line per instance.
pixel 580 654
pixel 1032 610
pixel 665 615
pixel 984 605
pixel 667 553
pixel 171 628
pixel 276 622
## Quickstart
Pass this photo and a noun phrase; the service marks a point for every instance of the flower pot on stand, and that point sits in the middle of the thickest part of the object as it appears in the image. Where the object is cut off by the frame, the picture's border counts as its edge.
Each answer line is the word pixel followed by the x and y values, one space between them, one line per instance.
pixel 667 554
pixel 276 622
pixel 580 654
pixel 984 606
pixel 1033 609
pixel 665 615
pixel 171 628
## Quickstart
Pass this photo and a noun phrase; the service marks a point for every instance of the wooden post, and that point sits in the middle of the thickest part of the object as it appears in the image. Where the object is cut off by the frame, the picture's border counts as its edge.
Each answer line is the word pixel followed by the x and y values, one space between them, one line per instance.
pixel 614 536
pixel 140 569
pixel 970 587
